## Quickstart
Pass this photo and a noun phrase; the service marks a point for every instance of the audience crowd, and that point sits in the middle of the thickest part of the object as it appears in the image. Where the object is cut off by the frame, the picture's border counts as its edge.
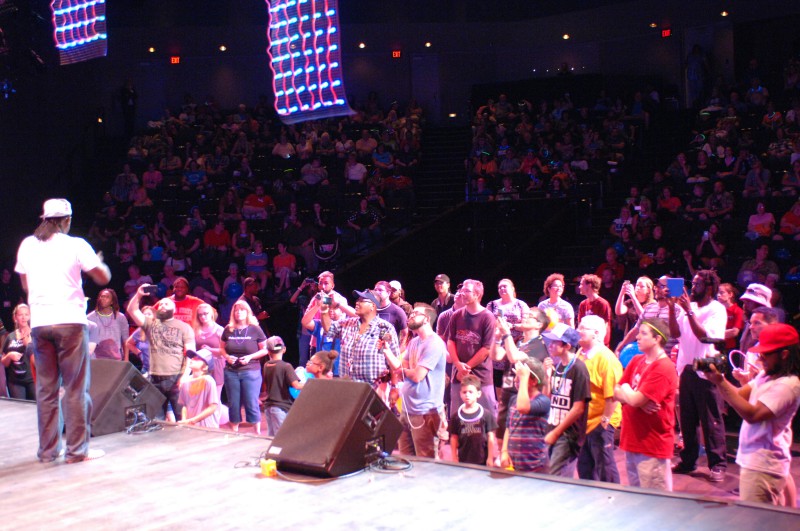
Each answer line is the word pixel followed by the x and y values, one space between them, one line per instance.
pixel 216 213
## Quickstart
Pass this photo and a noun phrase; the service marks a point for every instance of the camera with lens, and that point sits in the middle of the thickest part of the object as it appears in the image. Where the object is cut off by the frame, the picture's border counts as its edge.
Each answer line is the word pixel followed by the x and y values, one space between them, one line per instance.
pixel 704 364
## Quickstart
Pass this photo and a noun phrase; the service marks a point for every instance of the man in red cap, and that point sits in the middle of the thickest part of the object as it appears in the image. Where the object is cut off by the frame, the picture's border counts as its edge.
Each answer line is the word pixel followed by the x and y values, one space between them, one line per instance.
pixel 767 405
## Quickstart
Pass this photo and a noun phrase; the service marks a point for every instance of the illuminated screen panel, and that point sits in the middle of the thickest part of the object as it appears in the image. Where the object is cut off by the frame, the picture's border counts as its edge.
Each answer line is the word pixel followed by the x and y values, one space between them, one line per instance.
pixel 79 29
pixel 305 59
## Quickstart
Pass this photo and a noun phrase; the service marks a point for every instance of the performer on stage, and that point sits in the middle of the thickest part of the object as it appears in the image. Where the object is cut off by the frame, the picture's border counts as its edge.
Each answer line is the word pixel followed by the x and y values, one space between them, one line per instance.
pixel 49 264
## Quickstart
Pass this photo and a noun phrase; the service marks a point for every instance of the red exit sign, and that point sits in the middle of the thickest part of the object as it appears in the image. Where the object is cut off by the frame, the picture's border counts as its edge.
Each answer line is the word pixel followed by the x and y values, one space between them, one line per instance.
pixel 666 32
pixel 396 54
pixel 175 60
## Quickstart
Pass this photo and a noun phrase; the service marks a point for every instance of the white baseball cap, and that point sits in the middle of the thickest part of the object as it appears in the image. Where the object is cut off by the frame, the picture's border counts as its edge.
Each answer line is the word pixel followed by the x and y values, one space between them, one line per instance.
pixel 56 208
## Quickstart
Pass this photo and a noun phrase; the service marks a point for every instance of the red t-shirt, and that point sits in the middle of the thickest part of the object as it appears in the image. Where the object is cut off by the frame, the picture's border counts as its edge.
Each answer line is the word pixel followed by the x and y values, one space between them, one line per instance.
pixel 651 434
pixel 185 309
pixel 735 320
pixel 288 261
pixel 600 307
pixel 215 239
pixel 254 201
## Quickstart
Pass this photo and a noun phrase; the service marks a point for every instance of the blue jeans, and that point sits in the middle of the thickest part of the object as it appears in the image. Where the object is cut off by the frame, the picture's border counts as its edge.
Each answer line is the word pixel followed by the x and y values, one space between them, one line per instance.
pixel 169 387
pixel 275 418
pixel 242 388
pixel 62 360
pixel 596 460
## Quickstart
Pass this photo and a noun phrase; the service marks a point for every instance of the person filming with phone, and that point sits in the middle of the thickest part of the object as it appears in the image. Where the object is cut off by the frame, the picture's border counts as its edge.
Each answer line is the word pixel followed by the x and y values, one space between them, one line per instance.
pixel 694 317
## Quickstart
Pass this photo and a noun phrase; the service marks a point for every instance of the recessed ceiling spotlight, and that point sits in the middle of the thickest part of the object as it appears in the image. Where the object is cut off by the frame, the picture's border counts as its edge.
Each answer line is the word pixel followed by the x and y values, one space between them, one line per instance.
pixel 362 45
pixel 565 36
pixel 151 50
pixel 427 44
pixel 223 48
pixel 653 25
pixel 724 14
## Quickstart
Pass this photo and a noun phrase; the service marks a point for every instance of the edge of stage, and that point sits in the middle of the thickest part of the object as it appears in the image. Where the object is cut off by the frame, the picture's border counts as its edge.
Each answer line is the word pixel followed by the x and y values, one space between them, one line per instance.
pixel 181 477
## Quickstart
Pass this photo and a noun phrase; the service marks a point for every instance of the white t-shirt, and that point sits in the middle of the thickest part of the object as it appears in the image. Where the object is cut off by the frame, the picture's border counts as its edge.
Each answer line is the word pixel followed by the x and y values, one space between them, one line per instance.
pixel 713 318
pixel 765 446
pixel 53 269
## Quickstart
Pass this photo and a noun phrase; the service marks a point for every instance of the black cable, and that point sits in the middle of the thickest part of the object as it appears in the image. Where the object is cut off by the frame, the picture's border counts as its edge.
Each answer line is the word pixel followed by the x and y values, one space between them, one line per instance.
pixel 390 465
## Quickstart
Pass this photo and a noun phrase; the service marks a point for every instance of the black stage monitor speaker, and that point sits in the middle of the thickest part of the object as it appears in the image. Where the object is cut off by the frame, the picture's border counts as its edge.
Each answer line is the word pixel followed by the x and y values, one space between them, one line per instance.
pixel 335 427
pixel 120 396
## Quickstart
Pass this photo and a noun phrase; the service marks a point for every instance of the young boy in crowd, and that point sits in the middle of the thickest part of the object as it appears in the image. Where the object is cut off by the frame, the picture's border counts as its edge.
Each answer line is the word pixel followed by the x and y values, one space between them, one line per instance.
pixel 198 393
pixel 279 377
pixel 569 396
pixel 472 438
pixel 523 443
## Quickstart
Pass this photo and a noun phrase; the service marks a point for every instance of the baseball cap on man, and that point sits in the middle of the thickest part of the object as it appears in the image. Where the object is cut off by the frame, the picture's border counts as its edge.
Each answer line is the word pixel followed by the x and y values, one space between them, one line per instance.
pixel 56 208
pixel 368 295
pixel 441 277
pixel 759 294
pixel 396 286
pixel 563 333
pixel 776 336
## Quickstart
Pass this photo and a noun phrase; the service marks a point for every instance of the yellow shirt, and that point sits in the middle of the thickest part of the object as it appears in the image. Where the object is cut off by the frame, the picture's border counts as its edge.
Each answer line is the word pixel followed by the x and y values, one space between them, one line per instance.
pixel 605 371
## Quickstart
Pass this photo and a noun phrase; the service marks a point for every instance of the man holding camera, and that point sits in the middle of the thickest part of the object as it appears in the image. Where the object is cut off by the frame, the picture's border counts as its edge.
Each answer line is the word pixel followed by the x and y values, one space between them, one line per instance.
pixel 363 339
pixel 767 405
pixel 693 318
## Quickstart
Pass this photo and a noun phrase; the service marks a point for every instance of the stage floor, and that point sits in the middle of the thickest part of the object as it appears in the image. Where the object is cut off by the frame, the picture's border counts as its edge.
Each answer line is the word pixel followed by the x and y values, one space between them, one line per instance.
pixel 185 478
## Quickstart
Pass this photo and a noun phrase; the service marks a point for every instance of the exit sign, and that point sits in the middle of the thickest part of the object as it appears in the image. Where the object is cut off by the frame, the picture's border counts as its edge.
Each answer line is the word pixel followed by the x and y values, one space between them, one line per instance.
pixel 175 60
pixel 396 54
pixel 666 32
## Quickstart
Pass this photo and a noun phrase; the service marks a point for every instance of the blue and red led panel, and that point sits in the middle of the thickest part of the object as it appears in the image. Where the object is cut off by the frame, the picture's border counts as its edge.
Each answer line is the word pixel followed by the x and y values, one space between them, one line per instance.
pixel 79 29
pixel 305 59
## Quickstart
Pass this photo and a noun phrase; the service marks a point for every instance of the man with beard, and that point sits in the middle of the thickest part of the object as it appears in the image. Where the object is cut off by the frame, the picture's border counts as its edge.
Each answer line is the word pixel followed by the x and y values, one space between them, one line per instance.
pixel 185 304
pixel 692 318
pixel 422 390
pixel 767 405
pixel 169 340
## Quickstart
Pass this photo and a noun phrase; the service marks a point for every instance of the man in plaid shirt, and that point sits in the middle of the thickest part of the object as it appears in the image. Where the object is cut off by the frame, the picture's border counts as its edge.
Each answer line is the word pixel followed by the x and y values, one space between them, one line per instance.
pixel 362 338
